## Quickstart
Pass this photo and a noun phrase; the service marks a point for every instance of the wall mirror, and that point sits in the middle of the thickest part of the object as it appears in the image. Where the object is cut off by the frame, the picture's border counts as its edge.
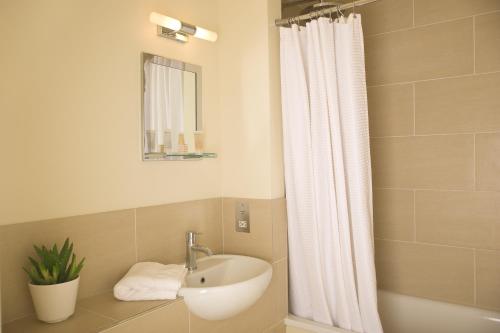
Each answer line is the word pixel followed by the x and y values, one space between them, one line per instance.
pixel 171 112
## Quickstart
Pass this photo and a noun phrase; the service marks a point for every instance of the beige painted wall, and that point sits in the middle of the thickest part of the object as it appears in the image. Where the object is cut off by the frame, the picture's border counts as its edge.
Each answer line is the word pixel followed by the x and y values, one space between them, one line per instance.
pixel 250 99
pixel 71 101
pixel 71 107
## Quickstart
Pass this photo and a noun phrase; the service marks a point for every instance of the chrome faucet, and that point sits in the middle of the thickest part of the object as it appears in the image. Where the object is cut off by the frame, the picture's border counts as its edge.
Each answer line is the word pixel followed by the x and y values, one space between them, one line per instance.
pixel 192 248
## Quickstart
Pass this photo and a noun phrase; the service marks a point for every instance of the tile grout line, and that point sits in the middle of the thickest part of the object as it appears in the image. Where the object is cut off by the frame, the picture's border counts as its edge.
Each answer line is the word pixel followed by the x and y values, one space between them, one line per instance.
pixel 414 26
pixel 275 325
pixel 474 161
pixel 135 236
pixel 433 79
pixel 222 225
pixel 280 260
pixel 474 42
pixel 272 229
pixel 414 215
pixel 413 13
pixel 435 134
pixel 121 322
pixel 432 189
pixel 414 110
pixel 475 277
pixel 115 321
pixel 430 244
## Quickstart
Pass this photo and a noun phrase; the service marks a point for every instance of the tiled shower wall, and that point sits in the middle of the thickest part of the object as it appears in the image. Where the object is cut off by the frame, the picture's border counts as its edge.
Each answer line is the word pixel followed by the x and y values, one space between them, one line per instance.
pixel 433 74
pixel 113 241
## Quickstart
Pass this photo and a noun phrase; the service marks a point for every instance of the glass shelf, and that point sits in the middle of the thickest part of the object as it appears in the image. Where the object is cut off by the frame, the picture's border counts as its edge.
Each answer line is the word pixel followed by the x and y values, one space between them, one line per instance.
pixel 177 156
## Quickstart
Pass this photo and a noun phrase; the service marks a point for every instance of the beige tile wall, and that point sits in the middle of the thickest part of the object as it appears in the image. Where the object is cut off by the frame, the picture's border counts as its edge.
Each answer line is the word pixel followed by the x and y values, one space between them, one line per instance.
pixel 433 71
pixel 172 318
pixel 106 240
pixel 111 242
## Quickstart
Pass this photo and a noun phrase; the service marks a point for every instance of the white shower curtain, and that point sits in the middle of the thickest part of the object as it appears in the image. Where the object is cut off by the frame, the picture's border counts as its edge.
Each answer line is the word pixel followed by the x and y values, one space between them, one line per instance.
pixel 163 105
pixel 328 174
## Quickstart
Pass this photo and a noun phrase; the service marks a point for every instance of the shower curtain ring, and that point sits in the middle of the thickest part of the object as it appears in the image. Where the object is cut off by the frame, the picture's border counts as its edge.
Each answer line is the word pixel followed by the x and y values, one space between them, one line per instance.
pixel 339 11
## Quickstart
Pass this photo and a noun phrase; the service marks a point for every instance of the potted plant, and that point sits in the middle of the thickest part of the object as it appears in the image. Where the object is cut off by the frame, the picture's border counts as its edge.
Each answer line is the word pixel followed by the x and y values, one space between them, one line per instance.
pixel 54 282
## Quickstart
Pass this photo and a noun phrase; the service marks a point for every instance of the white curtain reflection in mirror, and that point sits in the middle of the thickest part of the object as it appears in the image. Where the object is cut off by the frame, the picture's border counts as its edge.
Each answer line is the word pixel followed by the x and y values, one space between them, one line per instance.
pixel 163 108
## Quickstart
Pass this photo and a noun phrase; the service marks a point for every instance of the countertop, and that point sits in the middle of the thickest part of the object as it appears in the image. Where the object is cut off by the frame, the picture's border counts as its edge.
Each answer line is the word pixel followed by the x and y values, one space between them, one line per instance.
pixel 92 315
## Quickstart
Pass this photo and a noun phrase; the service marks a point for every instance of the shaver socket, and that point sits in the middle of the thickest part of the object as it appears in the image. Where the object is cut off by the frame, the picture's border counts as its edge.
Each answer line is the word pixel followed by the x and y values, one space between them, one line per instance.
pixel 242 220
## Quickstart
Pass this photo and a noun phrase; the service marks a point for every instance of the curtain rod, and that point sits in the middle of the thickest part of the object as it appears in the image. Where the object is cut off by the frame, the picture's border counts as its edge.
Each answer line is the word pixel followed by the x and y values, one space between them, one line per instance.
pixel 312 15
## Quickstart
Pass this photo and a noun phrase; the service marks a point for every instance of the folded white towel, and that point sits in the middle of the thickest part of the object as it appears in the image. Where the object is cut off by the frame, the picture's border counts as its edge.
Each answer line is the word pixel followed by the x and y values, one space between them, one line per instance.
pixel 148 281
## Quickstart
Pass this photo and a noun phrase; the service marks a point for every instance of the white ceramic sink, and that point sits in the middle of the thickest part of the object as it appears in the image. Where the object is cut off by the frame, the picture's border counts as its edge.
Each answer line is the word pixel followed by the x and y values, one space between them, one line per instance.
pixel 225 285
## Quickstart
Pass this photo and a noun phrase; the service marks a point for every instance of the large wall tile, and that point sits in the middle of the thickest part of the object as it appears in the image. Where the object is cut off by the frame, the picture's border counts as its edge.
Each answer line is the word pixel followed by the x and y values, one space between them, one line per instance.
pixel 161 229
pixel 391 110
pixel 259 241
pixel 280 229
pixel 488 162
pixel 465 104
pixel 278 328
pixel 106 240
pixel 431 11
pixel 488 279
pixel 459 218
pixel 82 321
pixel 171 318
pixel 387 15
pixel 393 214
pixel 440 161
pixel 422 53
pixel 488 42
pixel 280 272
pixel 106 305
pixel 437 272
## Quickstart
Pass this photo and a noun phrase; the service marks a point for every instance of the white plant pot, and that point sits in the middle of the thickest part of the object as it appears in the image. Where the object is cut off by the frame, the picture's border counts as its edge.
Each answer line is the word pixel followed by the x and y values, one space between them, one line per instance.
pixel 56 302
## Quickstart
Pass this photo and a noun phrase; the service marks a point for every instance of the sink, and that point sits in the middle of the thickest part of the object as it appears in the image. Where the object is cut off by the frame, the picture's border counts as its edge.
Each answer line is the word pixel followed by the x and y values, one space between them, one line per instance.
pixel 225 285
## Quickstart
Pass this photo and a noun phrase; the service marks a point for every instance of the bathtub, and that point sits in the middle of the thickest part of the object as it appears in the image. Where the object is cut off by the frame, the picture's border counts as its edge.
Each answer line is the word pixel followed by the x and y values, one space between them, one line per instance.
pixel 406 314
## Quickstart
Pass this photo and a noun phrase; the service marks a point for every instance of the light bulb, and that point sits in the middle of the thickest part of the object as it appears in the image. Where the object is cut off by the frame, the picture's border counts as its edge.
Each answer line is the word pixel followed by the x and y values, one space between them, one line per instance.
pixel 181 37
pixel 165 21
pixel 205 34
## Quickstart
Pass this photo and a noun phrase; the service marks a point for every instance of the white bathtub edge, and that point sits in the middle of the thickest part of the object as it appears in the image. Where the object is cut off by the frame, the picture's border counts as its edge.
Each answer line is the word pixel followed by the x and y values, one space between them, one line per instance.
pixel 312 326
pixel 408 314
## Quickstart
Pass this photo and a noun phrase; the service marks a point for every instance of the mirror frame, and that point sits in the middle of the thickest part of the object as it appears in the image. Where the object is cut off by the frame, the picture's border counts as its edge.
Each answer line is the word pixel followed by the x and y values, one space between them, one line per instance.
pixel 177 64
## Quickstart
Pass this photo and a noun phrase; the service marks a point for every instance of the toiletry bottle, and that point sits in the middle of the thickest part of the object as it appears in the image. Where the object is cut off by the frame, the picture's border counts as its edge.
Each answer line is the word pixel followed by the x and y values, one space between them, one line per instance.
pixel 182 146
pixel 198 141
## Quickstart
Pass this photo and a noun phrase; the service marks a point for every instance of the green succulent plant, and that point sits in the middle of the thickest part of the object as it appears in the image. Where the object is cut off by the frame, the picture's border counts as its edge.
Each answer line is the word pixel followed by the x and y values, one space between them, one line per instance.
pixel 54 266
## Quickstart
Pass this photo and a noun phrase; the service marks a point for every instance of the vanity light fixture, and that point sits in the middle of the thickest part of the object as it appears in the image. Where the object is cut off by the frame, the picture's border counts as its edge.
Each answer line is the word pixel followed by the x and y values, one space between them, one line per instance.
pixel 172 28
